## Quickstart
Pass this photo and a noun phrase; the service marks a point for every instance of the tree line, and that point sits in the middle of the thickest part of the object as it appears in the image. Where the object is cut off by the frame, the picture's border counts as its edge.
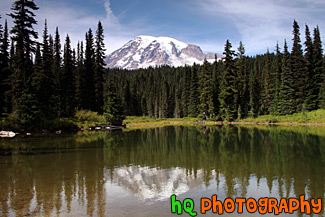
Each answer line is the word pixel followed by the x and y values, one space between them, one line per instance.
pixel 239 86
pixel 43 80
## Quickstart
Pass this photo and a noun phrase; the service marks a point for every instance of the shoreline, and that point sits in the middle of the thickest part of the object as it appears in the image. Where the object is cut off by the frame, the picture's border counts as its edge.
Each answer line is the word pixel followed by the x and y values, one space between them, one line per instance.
pixel 219 123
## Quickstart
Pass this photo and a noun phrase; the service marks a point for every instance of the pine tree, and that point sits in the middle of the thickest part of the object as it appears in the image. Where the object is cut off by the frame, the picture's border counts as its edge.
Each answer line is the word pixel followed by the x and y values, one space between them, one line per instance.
pixel 194 94
pixel 164 100
pixel 298 67
pixel 23 36
pixel 267 95
pixel 287 88
pixel 43 80
pixel 127 100
pixel 113 110
pixel 88 91
pixel 311 85
pixel 57 74
pixel 277 79
pixel 242 82
pixel 254 91
pixel 206 91
pixel 228 91
pixel 318 66
pixel 4 71
pixel 80 72
pixel 68 81
pixel 99 67
pixel 4 47
pixel 216 86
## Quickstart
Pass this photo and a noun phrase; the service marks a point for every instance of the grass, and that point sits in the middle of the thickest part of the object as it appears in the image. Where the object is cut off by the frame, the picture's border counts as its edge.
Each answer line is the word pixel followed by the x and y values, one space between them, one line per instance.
pixel 86 119
pixel 313 117
pixel 143 122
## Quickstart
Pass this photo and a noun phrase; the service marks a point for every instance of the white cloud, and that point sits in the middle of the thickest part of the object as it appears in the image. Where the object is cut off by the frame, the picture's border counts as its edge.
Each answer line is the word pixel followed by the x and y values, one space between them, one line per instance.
pixel 75 22
pixel 262 23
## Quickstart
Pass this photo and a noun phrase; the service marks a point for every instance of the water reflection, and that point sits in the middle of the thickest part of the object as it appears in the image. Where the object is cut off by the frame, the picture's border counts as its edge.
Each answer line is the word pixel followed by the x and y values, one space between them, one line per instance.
pixel 99 173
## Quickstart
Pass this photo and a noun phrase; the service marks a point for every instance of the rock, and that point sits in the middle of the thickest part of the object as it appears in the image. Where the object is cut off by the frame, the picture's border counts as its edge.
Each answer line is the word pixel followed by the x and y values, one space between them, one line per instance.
pixel 7 134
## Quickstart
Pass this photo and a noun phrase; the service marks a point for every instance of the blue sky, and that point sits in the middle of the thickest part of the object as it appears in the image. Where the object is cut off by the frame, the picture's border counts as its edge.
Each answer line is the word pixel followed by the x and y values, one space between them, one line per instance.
pixel 258 24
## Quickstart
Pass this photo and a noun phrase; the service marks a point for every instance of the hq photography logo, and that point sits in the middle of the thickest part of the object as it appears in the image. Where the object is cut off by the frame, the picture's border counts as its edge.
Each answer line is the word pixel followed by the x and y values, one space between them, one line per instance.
pixel 262 205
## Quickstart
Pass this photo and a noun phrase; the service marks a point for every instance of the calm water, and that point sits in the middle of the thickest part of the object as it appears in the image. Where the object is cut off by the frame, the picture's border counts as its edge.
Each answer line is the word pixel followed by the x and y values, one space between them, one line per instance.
pixel 134 173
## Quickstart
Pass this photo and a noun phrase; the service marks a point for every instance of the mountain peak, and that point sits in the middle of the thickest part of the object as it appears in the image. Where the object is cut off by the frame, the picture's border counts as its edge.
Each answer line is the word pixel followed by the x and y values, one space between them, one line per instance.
pixel 144 51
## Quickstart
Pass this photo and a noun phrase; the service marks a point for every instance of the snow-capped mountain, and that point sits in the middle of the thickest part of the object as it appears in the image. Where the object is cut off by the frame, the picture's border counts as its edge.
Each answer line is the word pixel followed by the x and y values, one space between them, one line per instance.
pixel 154 184
pixel 145 51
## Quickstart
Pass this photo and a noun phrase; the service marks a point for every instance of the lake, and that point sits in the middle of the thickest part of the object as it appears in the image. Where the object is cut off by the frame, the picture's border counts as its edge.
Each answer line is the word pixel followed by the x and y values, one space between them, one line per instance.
pixel 135 172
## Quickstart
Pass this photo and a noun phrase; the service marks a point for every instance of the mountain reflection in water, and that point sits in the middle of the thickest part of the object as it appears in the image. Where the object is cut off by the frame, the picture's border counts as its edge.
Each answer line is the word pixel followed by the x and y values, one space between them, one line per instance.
pixel 133 173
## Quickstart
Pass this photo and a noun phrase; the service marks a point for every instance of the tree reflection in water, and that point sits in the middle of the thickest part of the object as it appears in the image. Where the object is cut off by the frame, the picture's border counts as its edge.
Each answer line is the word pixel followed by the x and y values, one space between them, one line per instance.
pixel 90 173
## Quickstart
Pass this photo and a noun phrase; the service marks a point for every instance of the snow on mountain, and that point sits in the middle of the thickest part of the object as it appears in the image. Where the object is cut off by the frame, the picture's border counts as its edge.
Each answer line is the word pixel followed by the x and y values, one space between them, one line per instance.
pixel 144 51
pixel 154 184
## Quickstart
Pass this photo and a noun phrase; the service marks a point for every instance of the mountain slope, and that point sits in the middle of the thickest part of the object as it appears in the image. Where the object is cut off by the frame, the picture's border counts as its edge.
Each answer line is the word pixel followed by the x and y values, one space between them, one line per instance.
pixel 145 51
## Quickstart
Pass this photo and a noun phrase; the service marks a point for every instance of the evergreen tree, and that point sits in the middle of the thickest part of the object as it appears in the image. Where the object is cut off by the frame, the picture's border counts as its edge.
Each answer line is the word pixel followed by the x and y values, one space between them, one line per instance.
pixel 254 91
pixel 80 72
pixel 228 91
pixel 185 73
pixel 277 79
pixel 113 110
pixel 99 67
pixel 206 90
pixel 37 85
pixel 194 94
pixel 127 100
pixel 57 75
pixel 4 47
pixel 4 71
pixel 267 96
pixel 23 36
pixel 177 111
pixel 88 90
pixel 318 66
pixel 242 83
pixel 311 85
pixel 68 81
pixel 43 80
pixel 298 67
pixel 287 88
pixel 216 86
pixel 164 100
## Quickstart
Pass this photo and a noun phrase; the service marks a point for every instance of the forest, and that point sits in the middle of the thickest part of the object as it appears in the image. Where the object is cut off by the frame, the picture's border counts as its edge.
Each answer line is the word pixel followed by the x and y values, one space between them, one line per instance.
pixel 239 86
pixel 43 82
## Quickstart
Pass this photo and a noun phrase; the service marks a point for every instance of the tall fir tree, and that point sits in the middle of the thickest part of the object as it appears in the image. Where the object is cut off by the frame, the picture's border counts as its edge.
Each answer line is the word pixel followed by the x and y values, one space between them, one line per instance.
pixel 113 109
pixel 206 91
pixel 4 71
pixel 24 37
pixel 185 94
pixel 57 74
pixel 68 81
pixel 89 92
pixel 277 79
pixel 267 94
pixel 80 72
pixel 228 91
pixel 194 94
pixel 287 88
pixel 43 79
pixel 311 83
pixel 254 91
pixel 298 67
pixel 318 66
pixel 99 67
pixel 242 82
